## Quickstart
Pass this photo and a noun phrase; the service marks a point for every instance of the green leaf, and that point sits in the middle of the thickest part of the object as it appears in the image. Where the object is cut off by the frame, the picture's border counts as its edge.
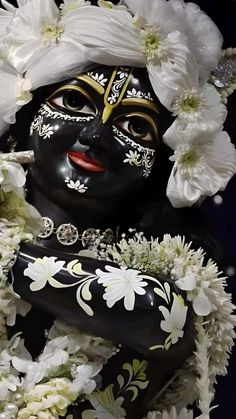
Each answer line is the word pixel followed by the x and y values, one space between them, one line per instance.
pixel 136 366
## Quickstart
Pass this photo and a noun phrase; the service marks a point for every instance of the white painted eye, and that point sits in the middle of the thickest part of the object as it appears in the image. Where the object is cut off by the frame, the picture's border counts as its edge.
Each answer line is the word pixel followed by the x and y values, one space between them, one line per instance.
pixel 74 101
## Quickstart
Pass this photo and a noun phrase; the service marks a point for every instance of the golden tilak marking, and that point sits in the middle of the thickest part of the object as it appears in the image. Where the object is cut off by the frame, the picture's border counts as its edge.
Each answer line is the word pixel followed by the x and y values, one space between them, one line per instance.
pixel 91 82
pixel 108 109
pixel 138 101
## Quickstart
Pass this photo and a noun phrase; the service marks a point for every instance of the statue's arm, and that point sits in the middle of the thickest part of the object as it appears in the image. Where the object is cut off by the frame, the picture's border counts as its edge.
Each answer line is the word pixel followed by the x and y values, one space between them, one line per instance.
pixel 100 298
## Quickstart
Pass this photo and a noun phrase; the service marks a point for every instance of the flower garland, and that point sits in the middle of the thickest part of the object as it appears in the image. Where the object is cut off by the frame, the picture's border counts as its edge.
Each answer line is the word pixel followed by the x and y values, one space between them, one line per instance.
pixel 71 361
pixel 214 322
pixel 177 43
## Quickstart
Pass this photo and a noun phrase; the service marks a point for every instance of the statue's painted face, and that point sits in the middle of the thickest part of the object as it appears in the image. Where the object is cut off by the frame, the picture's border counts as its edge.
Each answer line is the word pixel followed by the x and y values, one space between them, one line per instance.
pixel 95 137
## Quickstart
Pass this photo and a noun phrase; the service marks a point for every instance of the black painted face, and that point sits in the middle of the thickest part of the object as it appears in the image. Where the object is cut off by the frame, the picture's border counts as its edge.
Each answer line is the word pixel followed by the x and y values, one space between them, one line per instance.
pixel 95 137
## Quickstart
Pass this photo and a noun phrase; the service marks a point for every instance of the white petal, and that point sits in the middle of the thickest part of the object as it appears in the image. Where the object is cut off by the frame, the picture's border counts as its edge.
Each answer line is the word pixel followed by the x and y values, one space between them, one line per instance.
pixel 177 70
pixel 204 38
pixel 188 283
pixel 180 192
pixel 107 36
pixel 74 62
pixel 156 12
pixel 201 304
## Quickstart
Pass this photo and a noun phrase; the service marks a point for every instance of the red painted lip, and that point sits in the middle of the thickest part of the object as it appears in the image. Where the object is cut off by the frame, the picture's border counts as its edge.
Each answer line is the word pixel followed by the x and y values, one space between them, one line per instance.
pixel 83 161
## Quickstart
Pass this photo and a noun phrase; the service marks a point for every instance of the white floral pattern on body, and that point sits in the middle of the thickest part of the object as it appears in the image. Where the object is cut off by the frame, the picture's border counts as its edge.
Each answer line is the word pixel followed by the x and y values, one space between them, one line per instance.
pixel 99 78
pixel 183 414
pixel 44 130
pixel 76 185
pixel 121 283
pixel 45 110
pixel 42 271
pixel 134 93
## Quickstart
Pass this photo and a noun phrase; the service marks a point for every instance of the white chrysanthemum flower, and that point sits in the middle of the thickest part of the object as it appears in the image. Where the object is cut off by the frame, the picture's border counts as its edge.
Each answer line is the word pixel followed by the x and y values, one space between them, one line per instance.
pixel 68 5
pixel 36 30
pixel 203 36
pixel 42 271
pixel 201 169
pixel 198 111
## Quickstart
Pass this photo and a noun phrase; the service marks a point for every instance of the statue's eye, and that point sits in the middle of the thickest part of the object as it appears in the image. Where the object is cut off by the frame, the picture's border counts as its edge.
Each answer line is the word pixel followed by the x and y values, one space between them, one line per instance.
pixel 141 127
pixel 73 101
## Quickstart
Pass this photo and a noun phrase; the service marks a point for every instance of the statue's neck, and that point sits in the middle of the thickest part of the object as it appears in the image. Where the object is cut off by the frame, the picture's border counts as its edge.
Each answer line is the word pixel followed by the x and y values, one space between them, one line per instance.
pixel 79 218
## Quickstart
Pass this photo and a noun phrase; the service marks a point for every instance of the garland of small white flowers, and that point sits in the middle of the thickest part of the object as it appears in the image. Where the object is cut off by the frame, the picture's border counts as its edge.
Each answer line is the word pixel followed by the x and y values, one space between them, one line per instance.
pixel 214 321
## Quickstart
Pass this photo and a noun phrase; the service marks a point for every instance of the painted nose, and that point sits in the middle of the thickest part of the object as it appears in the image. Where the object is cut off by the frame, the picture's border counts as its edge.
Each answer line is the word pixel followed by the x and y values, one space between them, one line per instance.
pixel 96 137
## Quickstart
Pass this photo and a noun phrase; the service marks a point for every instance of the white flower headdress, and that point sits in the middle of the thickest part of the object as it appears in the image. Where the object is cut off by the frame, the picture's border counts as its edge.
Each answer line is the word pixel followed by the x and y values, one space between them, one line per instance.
pixel 179 45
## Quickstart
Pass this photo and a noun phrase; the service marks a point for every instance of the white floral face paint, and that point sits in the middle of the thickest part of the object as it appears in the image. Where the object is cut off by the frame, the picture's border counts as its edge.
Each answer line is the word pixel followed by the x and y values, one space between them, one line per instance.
pixel 76 185
pixel 138 155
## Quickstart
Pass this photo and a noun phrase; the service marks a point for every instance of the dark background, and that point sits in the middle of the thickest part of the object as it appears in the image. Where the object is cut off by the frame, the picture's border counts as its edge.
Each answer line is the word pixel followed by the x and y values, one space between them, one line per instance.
pixel 221 218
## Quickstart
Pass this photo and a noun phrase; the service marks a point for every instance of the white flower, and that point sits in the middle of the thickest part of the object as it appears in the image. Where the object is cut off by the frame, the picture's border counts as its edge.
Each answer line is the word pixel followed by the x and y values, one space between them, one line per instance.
pixel 201 169
pixel 42 271
pixel 77 185
pixel 15 92
pixel 202 35
pixel 22 91
pixel 164 51
pixel 36 35
pixel 83 378
pixel 195 287
pixel 110 5
pixel 183 414
pixel 12 176
pixel 204 38
pixel 105 405
pixel 121 283
pixel 174 319
pixel 48 400
pixel 133 158
pixel 199 111
pixel 3 54
pixel 68 5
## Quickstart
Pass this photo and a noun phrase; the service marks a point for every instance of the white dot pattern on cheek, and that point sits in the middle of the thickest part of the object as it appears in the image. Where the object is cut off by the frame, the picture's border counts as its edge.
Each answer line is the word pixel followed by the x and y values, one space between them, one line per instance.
pixel 138 155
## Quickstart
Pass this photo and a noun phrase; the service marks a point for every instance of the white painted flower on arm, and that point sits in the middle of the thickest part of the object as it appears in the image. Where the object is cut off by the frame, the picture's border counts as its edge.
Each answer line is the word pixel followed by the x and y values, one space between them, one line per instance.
pixel 105 405
pixel 121 283
pixel 42 271
pixel 174 320
pixel 183 414
pixel 201 168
